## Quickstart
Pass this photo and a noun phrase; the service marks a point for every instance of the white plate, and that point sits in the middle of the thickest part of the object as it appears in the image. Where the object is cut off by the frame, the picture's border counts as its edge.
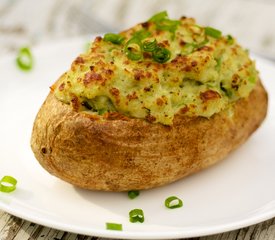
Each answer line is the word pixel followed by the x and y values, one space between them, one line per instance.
pixel 237 192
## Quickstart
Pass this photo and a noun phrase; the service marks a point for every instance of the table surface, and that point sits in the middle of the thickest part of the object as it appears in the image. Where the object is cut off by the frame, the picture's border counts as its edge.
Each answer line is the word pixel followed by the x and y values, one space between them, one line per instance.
pixel 68 18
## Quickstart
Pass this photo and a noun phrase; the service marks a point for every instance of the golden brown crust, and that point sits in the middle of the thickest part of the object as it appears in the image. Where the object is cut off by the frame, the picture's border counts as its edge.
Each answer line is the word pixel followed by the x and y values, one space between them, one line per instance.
pixel 121 155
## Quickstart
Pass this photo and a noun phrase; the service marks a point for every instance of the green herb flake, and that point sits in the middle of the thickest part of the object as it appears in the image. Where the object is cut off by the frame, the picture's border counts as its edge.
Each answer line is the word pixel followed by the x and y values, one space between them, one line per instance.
pixel 191 47
pixel 252 79
pixel 158 17
pixel 168 25
pixel 201 44
pixel 141 34
pixel 227 92
pixel 161 55
pixel 230 39
pixel 149 46
pixel 102 111
pixel 219 64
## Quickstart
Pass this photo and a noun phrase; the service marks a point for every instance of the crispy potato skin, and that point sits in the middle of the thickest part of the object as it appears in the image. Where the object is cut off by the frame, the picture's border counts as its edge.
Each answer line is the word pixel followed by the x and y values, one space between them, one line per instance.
pixel 122 155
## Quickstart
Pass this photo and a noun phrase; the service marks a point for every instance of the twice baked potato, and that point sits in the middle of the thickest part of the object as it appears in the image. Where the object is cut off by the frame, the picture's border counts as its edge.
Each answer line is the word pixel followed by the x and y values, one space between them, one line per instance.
pixel 149 106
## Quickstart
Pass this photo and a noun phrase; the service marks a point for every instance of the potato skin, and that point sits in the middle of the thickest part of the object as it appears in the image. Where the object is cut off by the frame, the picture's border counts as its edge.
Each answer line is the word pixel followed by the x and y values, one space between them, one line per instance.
pixel 122 155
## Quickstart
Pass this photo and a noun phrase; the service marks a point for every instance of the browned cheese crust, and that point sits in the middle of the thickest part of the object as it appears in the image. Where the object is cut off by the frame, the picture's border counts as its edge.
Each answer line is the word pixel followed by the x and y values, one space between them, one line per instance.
pixel 127 154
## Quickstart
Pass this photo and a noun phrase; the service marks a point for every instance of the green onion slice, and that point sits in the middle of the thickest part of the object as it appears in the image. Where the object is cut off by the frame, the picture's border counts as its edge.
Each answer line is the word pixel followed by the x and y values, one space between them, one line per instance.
pixel 113 38
pixel 136 215
pixel 114 226
pixel 161 55
pixel 173 202
pixel 8 184
pixel 24 59
pixel 133 194
pixel 212 32
pixel 133 49
pixel 158 17
pixel 164 23
pixel 149 46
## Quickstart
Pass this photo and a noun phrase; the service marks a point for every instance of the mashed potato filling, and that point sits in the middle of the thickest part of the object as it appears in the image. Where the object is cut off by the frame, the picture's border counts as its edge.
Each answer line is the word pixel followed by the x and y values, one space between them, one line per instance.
pixel 157 69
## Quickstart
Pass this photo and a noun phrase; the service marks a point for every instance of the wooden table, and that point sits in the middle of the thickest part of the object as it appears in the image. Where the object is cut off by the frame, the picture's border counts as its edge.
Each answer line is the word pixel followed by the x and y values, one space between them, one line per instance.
pixel 13 228
pixel 31 22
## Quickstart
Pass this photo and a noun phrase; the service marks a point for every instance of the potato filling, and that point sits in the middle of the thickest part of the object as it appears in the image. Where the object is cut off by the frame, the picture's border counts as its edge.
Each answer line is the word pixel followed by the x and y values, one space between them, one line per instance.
pixel 157 69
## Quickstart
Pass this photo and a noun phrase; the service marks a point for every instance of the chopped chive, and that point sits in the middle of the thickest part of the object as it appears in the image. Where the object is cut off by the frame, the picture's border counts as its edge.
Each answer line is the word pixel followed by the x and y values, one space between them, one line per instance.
pixel 164 23
pixel 24 59
pixel 102 111
pixel 168 24
pixel 8 184
pixel 161 55
pixel 136 215
pixel 133 194
pixel 113 38
pixel 87 105
pixel 219 64
pixel 114 226
pixel 191 47
pixel 149 46
pixel 133 49
pixel 173 202
pixel 212 32
pixel 230 39
pixel 228 92
pixel 252 79
pixel 141 34
pixel 201 44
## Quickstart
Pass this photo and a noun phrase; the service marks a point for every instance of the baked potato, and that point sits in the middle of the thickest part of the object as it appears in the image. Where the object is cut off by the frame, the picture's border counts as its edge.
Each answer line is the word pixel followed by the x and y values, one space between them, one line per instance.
pixel 148 106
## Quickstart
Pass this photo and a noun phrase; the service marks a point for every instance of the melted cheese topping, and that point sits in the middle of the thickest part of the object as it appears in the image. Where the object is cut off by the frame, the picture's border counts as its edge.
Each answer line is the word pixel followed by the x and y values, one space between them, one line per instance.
pixel 203 76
